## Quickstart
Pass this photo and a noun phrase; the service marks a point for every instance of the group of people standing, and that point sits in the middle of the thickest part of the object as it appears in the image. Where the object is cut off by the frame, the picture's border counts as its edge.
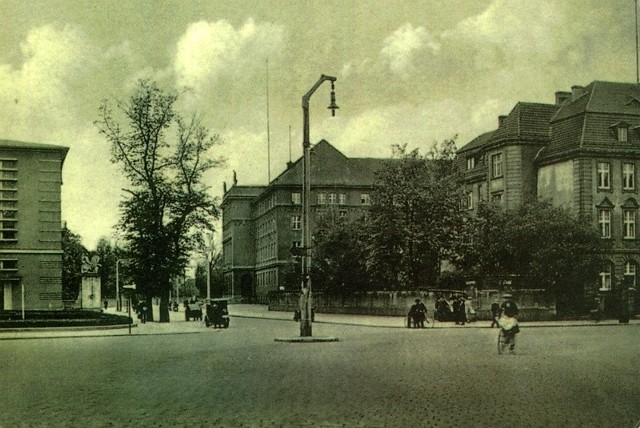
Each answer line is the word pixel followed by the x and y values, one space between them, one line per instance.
pixel 459 310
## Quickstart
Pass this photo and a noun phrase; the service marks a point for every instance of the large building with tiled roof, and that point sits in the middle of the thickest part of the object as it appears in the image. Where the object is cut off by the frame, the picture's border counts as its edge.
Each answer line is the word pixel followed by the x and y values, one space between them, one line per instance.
pixel 262 223
pixel 30 225
pixel 583 153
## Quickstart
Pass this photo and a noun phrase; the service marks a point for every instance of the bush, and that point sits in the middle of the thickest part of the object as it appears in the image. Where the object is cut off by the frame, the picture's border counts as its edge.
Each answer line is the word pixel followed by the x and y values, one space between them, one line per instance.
pixel 42 319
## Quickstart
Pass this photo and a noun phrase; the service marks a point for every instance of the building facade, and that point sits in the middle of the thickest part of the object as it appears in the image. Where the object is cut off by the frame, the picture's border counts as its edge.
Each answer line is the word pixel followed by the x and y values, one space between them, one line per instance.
pixel 261 224
pixel 30 220
pixel 582 153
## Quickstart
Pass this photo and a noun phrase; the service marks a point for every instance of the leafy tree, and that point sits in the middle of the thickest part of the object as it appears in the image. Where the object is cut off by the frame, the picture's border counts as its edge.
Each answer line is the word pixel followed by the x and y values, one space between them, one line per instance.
pixel 216 276
pixel 107 269
pixel 167 206
pixel 545 246
pixel 339 255
pixel 72 253
pixel 416 218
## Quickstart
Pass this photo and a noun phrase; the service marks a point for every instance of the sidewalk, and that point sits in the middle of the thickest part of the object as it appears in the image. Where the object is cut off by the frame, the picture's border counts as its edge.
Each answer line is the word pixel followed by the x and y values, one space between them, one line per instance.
pixel 178 325
pixel 262 311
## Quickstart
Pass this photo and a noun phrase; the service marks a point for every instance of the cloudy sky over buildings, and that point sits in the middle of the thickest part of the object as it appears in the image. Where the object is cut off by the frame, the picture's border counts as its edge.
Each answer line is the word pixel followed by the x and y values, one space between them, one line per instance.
pixel 409 72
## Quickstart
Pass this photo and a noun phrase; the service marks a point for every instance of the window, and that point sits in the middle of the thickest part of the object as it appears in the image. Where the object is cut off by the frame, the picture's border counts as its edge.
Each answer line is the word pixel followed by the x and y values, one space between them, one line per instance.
pixel 365 199
pixel 8 164
pixel 8 174
pixel 471 162
pixel 496 197
pixel 605 277
pixel 470 200
pixel 7 214
pixel 11 225
pixel 333 198
pixel 623 134
pixel 604 222
pixel 322 198
pixel 342 199
pixel 628 176
pixel 629 223
pixel 604 175
pixel 296 222
pixel 630 273
pixel 8 265
pixel 296 198
pixel 496 165
pixel 343 213
pixel 8 194
pixel 7 235
pixel 8 185
pixel 8 204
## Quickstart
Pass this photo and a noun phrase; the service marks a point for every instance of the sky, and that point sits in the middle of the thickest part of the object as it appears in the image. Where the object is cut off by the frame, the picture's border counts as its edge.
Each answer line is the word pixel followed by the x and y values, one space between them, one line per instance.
pixel 408 72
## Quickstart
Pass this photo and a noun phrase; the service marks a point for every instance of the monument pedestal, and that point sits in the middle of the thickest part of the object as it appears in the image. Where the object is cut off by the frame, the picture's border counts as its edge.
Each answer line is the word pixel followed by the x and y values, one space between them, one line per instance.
pixel 90 295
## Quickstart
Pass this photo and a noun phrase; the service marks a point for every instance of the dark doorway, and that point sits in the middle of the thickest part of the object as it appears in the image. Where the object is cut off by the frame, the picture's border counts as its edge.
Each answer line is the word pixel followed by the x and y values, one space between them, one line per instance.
pixel 246 288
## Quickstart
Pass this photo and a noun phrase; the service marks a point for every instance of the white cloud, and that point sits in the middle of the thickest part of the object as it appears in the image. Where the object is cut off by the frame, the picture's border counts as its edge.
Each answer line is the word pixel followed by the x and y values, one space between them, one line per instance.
pixel 210 49
pixel 401 48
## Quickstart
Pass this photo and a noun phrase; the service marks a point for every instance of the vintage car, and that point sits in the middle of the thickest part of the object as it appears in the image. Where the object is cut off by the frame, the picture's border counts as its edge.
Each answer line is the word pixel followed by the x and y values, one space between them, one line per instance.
pixel 217 313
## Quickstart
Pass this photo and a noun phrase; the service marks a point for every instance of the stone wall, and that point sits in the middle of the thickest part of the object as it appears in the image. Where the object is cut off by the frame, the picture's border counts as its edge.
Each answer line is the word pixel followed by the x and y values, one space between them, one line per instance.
pixel 535 305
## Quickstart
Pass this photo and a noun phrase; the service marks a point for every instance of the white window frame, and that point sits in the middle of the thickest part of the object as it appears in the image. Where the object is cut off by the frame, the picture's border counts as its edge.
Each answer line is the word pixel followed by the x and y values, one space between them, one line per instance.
pixel 604 222
pixel 365 199
pixel 470 200
pixel 333 199
pixel 623 134
pixel 605 278
pixel 604 175
pixel 629 223
pixel 628 176
pixel 296 222
pixel 630 269
pixel 342 199
pixel 496 165
pixel 471 162
pixel 322 198
pixel 296 198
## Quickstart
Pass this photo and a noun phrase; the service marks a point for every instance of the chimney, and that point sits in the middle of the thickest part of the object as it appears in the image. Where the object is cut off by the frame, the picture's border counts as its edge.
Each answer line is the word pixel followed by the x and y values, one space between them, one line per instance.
pixel 501 120
pixel 576 91
pixel 562 96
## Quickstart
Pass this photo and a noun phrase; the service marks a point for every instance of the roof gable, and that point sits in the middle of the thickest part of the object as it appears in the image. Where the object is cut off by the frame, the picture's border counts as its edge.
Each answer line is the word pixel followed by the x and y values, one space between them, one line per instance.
pixel 329 166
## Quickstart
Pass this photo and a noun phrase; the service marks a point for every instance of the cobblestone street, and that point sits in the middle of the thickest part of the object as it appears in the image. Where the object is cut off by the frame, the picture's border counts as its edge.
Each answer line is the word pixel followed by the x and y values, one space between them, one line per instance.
pixel 566 376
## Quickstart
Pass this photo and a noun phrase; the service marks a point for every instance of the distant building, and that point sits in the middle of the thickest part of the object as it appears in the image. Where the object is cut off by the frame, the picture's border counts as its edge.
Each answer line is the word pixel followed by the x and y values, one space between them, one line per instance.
pixel 262 223
pixel 30 220
pixel 583 153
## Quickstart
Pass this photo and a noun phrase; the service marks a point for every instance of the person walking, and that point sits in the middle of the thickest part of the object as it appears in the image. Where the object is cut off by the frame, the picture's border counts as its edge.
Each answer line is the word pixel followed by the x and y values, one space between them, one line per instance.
pixel 495 313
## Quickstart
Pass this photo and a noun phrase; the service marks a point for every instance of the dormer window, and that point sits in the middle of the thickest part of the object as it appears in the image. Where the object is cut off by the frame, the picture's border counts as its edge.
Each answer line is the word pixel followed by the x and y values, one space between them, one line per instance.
pixel 621 131
pixel 623 134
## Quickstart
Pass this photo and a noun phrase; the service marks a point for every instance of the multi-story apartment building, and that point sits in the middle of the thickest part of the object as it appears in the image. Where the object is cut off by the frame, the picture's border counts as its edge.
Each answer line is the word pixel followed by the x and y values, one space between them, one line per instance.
pixel 583 152
pixel 30 225
pixel 262 223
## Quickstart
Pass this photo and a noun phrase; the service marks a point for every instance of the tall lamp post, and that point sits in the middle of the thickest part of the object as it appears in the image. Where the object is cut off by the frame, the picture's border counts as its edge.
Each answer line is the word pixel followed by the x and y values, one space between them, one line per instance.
pixel 118 297
pixel 305 296
pixel 209 255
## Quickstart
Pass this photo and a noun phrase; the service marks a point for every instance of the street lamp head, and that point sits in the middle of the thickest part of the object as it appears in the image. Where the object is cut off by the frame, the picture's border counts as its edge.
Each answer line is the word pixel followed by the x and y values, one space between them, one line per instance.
pixel 333 106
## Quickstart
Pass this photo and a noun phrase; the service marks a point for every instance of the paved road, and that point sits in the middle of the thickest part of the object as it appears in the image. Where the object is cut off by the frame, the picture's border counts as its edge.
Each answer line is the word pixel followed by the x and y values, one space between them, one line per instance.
pixel 571 376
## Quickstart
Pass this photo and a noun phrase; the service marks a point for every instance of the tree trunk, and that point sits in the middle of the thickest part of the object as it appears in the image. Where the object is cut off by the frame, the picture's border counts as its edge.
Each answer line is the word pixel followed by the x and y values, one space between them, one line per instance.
pixel 164 305
pixel 149 299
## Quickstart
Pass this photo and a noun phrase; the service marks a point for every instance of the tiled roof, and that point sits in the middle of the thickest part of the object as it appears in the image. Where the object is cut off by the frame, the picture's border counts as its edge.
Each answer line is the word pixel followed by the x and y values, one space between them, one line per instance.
pixel 603 97
pixel 331 168
pixel 587 122
pixel 477 142
pixel 526 120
